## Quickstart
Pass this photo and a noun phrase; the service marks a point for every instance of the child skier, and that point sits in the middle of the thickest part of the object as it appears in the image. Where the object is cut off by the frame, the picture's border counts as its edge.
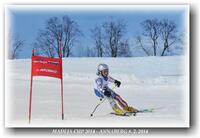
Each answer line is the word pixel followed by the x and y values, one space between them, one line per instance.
pixel 102 90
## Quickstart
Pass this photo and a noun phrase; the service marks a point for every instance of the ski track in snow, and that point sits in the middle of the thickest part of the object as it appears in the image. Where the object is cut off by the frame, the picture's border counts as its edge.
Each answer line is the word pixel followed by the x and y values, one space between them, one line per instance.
pixel 149 82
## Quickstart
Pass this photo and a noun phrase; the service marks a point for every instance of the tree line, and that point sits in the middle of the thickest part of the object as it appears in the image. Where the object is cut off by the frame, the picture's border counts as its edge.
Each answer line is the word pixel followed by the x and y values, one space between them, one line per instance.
pixel 157 38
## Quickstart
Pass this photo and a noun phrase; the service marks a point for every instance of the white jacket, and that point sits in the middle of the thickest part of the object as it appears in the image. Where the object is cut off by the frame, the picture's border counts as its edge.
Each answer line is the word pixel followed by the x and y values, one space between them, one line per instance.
pixel 101 83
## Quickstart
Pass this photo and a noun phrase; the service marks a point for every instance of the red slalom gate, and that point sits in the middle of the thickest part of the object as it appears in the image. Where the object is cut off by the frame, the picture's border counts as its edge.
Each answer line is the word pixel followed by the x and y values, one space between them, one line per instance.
pixel 44 66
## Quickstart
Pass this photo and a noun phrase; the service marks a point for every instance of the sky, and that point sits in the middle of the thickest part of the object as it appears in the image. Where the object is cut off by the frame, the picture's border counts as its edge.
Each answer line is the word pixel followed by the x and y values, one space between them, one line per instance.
pixel 26 21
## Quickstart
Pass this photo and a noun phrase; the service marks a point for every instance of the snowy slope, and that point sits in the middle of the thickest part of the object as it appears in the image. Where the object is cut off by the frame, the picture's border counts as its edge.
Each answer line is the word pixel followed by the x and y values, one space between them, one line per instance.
pixel 158 82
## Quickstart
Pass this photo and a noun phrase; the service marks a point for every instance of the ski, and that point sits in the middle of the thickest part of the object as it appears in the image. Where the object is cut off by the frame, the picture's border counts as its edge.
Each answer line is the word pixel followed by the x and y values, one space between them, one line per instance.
pixel 147 110
pixel 125 114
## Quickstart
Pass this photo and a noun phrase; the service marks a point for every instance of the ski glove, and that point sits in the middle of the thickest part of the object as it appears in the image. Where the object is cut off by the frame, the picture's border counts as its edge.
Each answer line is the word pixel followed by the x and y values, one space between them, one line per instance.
pixel 117 83
pixel 107 92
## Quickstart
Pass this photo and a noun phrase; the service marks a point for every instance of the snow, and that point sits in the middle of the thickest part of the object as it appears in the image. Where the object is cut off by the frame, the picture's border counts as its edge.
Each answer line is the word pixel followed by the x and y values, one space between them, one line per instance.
pixel 147 82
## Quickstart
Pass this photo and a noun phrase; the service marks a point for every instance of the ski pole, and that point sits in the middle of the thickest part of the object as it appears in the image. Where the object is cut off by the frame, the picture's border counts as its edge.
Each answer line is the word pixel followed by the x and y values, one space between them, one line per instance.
pixel 97 106
pixel 101 101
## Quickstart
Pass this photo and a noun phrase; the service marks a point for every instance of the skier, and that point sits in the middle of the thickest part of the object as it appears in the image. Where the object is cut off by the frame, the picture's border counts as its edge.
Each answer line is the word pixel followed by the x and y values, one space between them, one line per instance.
pixel 102 90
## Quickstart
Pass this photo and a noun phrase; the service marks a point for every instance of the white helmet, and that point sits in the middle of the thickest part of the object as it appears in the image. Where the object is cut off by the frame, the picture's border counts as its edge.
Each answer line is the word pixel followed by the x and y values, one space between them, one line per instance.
pixel 101 67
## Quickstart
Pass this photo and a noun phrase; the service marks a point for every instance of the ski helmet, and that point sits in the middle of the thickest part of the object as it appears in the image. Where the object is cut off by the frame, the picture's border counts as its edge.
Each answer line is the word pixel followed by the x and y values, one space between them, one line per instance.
pixel 102 67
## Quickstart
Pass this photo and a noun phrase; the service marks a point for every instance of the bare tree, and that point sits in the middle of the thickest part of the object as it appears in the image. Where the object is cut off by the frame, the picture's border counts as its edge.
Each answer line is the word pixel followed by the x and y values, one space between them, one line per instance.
pixel 98 40
pixel 160 32
pixel 141 45
pixel 58 31
pixel 151 29
pixel 71 32
pixel 90 52
pixel 45 44
pixel 124 49
pixel 114 31
pixel 168 33
pixel 15 46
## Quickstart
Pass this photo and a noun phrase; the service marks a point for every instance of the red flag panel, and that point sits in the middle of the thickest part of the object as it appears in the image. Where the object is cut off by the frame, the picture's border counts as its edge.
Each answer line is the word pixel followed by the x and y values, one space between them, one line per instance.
pixel 44 66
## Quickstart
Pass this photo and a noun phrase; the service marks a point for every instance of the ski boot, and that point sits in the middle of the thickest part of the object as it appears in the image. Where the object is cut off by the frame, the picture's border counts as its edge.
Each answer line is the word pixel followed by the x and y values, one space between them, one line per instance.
pixel 129 109
pixel 118 111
